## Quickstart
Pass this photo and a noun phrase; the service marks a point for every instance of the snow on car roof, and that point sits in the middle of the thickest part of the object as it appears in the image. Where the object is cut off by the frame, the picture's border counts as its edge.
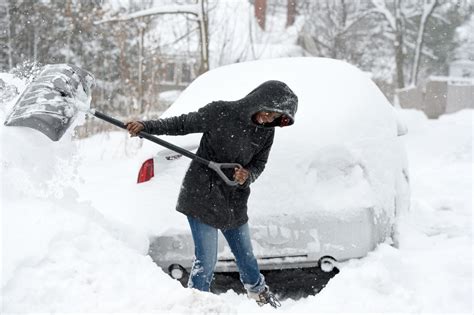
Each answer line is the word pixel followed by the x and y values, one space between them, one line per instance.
pixel 337 101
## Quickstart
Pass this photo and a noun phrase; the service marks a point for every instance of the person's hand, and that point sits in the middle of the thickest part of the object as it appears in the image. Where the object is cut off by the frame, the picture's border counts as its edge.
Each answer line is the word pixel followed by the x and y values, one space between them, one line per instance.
pixel 134 127
pixel 241 175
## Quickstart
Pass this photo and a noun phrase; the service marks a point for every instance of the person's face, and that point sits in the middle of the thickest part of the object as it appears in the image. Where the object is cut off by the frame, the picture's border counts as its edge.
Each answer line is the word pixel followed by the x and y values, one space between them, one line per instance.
pixel 266 117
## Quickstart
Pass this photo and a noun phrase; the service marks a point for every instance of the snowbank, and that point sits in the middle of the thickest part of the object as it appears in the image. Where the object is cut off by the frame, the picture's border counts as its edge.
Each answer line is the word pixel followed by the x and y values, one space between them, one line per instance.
pixel 429 273
pixel 62 255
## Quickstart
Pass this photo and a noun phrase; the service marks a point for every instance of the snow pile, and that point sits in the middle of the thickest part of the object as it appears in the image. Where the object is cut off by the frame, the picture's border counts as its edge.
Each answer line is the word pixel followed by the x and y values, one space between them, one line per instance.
pixel 62 255
pixel 431 272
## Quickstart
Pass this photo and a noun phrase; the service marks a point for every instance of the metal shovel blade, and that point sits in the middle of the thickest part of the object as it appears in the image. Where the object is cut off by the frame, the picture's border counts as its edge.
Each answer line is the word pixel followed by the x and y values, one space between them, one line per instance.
pixel 51 101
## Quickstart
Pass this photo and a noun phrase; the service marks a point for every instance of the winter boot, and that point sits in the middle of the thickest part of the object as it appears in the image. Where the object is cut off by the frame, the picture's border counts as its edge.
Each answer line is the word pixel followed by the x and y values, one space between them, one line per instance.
pixel 265 297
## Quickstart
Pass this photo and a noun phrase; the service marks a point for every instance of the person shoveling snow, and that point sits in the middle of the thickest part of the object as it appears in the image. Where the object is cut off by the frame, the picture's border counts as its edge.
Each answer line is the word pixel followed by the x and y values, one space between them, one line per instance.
pixel 241 132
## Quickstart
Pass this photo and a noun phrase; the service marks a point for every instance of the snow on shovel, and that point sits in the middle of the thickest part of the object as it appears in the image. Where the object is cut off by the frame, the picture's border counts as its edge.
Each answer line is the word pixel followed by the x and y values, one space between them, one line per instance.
pixel 53 99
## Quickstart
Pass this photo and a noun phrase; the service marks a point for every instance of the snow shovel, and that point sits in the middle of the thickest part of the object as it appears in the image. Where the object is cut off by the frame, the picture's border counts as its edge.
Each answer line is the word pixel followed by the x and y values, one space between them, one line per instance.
pixel 53 99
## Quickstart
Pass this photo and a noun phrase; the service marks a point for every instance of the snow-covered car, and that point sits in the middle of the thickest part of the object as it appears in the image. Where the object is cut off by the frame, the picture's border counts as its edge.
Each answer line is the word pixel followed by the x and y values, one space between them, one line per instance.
pixel 334 183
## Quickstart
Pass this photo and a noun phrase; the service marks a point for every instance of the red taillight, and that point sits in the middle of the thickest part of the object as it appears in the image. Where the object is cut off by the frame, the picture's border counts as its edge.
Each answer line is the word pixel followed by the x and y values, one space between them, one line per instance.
pixel 146 171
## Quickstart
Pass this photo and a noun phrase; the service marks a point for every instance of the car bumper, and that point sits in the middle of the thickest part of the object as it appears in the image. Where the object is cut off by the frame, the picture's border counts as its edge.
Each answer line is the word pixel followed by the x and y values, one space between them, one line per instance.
pixel 285 244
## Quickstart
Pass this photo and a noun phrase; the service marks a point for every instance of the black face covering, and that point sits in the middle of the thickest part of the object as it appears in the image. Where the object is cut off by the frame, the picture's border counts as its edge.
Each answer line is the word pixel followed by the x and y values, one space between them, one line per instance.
pixel 284 121
pixel 271 96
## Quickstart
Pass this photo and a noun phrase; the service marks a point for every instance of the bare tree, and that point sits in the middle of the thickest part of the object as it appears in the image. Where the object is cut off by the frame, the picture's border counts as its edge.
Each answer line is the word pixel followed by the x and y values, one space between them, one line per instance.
pixel 398 44
pixel 428 8
pixel 291 12
pixel 260 7
pixel 7 24
pixel 333 28
pixel 198 10
pixel 408 32
pixel 396 25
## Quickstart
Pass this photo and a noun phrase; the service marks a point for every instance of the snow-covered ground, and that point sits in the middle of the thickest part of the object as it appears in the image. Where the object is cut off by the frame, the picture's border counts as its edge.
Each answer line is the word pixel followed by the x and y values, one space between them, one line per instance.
pixel 72 240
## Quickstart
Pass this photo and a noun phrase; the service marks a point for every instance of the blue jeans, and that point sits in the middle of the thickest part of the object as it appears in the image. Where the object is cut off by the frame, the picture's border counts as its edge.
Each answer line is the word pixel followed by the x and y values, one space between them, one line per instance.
pixel 205 249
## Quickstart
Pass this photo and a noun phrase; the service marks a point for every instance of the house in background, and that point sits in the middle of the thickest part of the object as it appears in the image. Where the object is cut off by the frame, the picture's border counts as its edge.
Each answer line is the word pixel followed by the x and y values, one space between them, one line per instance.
pixel 442 94
pixel 177 71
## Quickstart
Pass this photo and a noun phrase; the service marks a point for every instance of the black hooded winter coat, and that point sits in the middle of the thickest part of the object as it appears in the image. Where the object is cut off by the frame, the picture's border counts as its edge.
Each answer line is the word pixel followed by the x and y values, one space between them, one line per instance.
pixel 230 135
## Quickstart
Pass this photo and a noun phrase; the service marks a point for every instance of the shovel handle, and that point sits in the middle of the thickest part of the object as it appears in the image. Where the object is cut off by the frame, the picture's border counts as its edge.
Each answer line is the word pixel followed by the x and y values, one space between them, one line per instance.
pixel 217 167
pixel 152 138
